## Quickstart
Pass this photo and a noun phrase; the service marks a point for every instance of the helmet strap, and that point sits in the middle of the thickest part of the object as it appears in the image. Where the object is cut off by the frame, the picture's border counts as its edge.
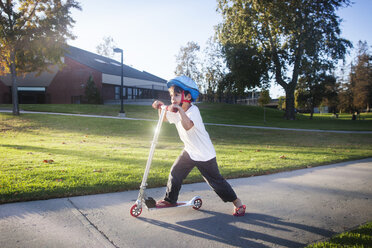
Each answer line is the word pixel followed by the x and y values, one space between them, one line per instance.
pixel 183 98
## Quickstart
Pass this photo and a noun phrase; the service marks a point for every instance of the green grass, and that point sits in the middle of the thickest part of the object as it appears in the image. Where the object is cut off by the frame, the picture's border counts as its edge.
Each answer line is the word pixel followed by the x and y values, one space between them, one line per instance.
pixel 133 111
pixel 358 238
pixel 219 113
pixel 93 155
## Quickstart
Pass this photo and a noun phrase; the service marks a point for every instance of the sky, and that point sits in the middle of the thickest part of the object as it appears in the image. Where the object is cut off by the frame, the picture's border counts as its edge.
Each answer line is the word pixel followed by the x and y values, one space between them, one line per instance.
pixel 151 33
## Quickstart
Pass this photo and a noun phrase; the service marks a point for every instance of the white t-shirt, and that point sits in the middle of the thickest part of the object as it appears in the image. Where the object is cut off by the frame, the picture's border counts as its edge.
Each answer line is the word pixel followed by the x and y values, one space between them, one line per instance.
pixel 196 140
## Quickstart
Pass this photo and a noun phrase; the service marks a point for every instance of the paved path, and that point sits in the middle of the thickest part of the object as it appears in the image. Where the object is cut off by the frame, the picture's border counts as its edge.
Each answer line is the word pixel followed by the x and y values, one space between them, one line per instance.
pixel 210 124
pixel 289 209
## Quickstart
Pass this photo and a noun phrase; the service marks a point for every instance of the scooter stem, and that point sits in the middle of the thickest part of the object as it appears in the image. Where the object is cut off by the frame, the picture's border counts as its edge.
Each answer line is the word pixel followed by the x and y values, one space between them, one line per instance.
pixel 151 154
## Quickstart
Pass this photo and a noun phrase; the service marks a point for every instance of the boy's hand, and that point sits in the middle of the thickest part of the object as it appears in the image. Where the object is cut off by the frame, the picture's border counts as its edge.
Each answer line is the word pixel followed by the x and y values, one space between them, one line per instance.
pixel 174 108
pixel 157 104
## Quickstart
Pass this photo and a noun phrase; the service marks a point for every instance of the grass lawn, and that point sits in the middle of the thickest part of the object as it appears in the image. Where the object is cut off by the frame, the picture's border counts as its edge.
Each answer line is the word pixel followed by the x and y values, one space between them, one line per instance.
pixel 218 113
pixel 360 237
pixel 47 156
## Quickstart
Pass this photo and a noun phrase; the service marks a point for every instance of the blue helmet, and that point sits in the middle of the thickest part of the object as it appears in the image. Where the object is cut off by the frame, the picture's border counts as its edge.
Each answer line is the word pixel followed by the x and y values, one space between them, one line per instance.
pixel 185 83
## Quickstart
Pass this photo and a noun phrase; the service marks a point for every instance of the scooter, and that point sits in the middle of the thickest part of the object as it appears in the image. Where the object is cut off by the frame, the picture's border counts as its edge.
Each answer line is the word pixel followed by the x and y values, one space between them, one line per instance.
pixel 149 202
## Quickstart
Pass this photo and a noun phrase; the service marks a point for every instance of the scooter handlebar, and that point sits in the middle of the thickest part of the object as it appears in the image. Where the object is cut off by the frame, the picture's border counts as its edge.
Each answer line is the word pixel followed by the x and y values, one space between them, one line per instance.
pixel 168 108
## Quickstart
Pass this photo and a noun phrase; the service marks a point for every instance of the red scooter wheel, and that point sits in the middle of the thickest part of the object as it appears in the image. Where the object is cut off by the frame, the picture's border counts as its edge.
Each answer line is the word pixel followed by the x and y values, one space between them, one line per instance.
pixel 197 203
pixel 135 211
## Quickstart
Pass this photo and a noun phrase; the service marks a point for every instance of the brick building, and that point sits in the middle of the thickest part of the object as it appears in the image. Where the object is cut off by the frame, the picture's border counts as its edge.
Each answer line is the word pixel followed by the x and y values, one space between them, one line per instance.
pixel 67 84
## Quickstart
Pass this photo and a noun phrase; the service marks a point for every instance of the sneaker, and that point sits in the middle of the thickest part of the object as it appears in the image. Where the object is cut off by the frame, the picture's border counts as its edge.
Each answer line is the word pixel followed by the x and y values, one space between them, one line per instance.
pixel 240 211
pixel 164 204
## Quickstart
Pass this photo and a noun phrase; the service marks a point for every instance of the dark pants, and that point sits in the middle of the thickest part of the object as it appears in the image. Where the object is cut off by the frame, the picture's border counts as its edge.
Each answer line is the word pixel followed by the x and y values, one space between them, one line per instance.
pixel 209 170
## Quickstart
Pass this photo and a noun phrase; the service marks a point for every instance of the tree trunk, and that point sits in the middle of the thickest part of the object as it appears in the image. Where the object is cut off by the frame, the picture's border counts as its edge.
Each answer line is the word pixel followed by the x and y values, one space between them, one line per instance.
pixel 289 104
pixel 14 84
pixel 312 105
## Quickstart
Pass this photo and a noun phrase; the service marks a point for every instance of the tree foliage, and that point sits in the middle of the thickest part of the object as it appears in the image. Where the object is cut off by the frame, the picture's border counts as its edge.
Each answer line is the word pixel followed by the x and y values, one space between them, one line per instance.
pixel 92 95
pixel 247 69
pixel 188 62
pixel 281 103
pixel 33 36
pixel 355 93
pixel 213 69
pixel 361 78
pixel 313 89
pixel 106 47
pixel 264 98
pixel 345 98
pixel 285 34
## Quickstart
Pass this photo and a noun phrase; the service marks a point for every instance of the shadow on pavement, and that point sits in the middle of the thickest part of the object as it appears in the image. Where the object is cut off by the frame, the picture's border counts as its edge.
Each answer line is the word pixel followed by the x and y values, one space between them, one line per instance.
pixel 226 229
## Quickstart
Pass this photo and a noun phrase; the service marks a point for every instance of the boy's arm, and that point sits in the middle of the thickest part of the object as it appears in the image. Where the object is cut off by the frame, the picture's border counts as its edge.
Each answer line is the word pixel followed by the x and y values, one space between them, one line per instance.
pixel 185 120
pixel 156 105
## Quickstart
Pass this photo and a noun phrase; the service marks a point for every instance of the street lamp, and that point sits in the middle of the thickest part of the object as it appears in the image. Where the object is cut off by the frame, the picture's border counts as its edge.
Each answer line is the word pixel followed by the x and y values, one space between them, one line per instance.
pixel 122 113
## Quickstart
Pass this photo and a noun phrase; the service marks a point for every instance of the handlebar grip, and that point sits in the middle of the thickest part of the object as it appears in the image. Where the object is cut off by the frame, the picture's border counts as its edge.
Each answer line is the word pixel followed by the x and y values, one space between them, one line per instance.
pixel 168 108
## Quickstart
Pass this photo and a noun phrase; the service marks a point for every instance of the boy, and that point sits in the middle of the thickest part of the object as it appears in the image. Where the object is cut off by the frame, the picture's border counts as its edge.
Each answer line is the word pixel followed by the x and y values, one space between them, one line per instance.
pixel 198 151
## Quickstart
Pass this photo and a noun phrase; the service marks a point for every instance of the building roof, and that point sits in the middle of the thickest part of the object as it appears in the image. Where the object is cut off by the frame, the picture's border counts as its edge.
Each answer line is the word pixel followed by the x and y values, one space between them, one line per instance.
pixel 108 66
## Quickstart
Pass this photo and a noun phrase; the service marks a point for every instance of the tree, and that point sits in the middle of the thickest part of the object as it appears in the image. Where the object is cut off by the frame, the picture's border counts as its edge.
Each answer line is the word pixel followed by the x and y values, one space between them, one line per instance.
pixel 188 62
pixel 106 47
pixel 361 78
pixel 247 69
pixel 213 69
pixel 313 89
pixel 263 100
pixel 331 96
pixel 285 33
pixel 344 101
pixel 345 98
pixel 33 36
pixel 92 95
pixel 281 103
pixel 264 97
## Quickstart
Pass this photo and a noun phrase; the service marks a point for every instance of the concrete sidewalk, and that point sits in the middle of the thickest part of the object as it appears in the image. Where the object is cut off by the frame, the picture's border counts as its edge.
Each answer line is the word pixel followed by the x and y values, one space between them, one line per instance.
pixel 290 209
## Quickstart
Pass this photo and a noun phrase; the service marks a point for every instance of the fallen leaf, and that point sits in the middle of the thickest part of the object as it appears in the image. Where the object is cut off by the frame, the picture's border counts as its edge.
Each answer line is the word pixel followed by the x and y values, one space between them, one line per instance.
pixel 59 180
pixel 258 150
pixel 49 161
pixel 283 157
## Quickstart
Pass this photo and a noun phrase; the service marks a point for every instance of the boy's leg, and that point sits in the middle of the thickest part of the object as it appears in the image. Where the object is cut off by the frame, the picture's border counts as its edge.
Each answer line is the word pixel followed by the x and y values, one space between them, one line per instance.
pixel 179 171
pixel 212 175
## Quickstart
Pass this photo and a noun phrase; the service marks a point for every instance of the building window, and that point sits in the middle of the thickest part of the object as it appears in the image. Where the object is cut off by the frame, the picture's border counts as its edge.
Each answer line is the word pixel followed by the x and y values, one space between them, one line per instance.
pixel 117 93
pixel 130 93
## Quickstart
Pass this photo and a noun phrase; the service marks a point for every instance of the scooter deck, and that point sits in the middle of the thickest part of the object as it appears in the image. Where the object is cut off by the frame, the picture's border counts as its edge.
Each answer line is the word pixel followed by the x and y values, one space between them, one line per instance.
pixel 136 210
pixel 195 202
